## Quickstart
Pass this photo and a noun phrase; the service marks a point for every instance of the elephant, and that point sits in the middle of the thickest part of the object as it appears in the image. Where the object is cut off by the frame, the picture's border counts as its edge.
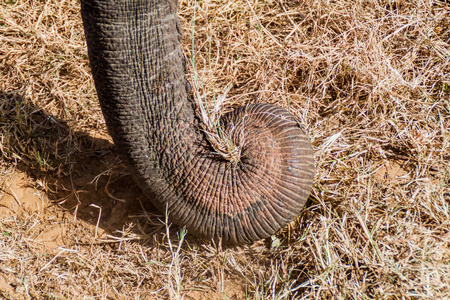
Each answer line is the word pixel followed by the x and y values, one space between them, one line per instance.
pixel 139 72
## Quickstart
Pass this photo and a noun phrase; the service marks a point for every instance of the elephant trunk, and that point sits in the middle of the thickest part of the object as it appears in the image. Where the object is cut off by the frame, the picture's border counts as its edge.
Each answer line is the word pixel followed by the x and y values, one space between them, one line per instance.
pixel 139 74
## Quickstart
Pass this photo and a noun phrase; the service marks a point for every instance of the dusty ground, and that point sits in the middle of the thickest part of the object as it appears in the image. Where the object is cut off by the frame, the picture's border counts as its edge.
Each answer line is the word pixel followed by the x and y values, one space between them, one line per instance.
pixel 368 80
pixel 73 217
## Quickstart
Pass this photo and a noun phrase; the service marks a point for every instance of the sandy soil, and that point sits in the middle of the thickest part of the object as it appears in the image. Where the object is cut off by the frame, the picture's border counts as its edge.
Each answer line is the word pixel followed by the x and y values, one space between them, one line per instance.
pixel 99 199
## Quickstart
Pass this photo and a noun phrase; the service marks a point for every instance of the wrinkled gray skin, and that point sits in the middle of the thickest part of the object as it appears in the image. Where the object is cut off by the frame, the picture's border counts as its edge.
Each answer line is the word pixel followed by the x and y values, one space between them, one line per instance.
pixel 139 73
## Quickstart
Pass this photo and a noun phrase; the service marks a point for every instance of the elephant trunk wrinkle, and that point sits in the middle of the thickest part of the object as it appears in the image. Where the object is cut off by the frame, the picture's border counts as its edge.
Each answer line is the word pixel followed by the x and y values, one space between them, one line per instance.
pixel 139 73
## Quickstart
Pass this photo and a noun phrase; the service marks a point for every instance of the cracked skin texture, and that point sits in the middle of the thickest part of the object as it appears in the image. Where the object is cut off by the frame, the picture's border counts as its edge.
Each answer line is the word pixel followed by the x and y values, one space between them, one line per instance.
pixel 139 73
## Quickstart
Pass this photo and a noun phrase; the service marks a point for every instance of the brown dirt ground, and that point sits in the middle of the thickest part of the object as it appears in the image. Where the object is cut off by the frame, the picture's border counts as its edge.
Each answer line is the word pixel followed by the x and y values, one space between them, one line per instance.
pixel 101 198
pixel 368 80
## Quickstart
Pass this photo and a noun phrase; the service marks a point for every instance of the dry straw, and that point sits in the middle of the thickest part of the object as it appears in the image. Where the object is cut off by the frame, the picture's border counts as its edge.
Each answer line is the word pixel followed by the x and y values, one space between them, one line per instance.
pixel 368 80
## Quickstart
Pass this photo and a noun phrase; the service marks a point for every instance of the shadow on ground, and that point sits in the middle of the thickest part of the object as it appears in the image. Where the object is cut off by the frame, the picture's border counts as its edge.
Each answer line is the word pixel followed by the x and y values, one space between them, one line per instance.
pixel 79 171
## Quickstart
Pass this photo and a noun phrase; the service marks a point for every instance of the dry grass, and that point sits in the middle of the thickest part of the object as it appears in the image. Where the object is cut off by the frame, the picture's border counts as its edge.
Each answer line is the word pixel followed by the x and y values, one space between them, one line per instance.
pixel 369 81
